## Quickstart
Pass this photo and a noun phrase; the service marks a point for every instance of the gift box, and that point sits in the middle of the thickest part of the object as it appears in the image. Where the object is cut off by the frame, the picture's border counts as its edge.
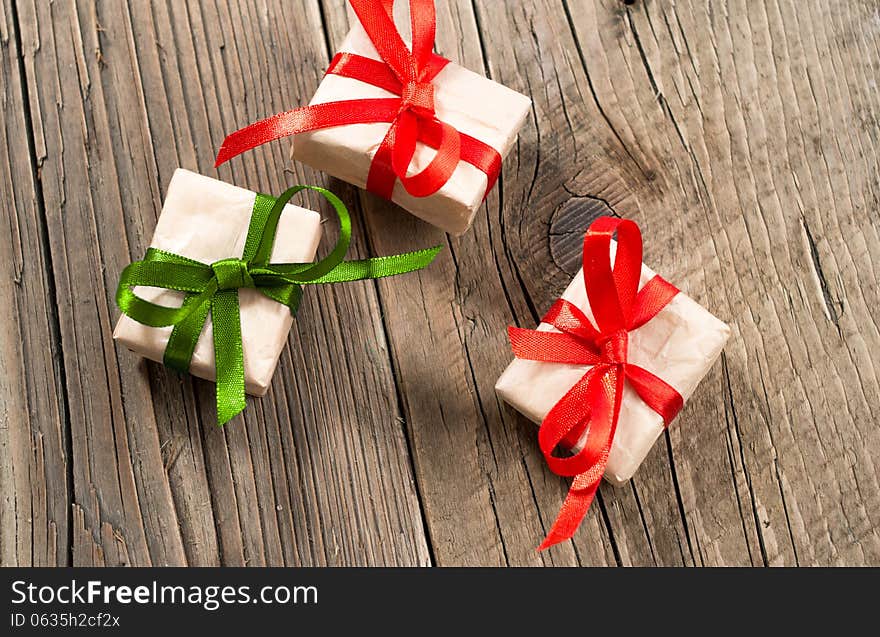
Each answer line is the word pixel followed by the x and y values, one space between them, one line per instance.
pixel 398 106
pixel 471 103
pixel 663 344
pixel 216 292
pixel 207 220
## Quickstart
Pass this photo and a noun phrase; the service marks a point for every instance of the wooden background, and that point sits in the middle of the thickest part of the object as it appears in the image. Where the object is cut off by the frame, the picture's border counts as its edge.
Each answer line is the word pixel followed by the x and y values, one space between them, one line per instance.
pixel 741 134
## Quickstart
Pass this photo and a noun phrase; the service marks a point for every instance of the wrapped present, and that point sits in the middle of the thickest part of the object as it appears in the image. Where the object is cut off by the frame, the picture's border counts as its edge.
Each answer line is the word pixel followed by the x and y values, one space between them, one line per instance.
pixel 403 123
pixel 609 367
pixel 215 294
pixel 207 220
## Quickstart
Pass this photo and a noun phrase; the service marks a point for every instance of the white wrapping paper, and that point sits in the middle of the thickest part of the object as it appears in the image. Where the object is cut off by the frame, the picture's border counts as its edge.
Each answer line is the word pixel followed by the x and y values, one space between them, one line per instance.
pixel 473 104
pixel 679 345
pixel 207 220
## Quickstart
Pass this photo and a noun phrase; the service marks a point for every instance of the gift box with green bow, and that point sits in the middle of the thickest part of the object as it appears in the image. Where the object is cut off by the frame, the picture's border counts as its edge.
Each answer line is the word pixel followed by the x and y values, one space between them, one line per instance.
pixel 216 292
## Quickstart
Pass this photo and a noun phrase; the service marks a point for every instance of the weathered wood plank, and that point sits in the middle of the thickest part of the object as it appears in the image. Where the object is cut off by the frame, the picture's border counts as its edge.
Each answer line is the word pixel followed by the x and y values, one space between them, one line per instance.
pixel 115 449
pixel 316 473
pixel 758 127
pixel 606 51
pixel 540 58
pixel 346 476
pixel 34 509
pixel 484 290
pixel 743 137
pixel 624 115
pixel 485 492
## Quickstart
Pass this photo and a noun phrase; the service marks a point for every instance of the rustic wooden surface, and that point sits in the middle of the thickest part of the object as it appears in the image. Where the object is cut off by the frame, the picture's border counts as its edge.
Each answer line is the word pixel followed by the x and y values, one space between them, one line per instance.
pixel 742 136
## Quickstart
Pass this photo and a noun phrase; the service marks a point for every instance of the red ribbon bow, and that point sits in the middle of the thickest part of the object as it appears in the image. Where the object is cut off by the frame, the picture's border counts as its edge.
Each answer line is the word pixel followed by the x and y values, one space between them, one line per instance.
pixel 593 404
pixel 408 74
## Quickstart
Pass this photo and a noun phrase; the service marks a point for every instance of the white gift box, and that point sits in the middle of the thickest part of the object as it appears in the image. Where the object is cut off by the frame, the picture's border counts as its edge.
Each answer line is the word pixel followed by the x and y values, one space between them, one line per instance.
pixel 207 220
pixel 679 345
pixel 471 103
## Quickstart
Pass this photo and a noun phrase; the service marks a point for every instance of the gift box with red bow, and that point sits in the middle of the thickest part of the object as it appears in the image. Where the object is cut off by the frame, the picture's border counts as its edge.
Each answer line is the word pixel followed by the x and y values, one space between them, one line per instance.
pixel 401 121
pixel 609 367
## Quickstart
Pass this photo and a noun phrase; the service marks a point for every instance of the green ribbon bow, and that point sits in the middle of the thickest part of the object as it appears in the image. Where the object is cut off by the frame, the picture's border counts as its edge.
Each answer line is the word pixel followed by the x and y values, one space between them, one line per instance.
pixel 214 288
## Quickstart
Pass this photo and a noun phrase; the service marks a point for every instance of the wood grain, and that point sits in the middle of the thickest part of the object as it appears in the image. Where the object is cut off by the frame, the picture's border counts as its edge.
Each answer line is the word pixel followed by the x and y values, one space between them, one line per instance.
pixel 34 444
pixel 742 136
pixel 757 129
pixel 315 473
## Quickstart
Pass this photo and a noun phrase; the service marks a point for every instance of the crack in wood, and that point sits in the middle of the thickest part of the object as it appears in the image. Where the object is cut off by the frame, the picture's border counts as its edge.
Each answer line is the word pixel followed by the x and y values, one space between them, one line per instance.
pixel 646 173
pixel 730 412
pixel 831 304
pixel 567 225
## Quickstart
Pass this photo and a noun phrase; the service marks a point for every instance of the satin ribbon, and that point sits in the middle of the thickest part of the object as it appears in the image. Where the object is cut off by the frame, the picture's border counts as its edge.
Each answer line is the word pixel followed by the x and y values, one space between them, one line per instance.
pixel 592 405
pixel 409 75
pixel 214 289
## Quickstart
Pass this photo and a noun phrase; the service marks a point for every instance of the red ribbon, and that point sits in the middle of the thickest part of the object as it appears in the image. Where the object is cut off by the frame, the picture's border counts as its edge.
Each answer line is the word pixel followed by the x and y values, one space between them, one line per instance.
pixel 408 74
pixel 593 404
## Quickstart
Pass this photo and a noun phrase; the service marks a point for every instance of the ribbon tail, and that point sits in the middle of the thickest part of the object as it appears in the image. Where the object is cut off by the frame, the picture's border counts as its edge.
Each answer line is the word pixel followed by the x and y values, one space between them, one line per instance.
pixel 185 335
pixel 307 118
pixel 381 178
pixel 605 390
pixel 228 355
pixel 378 267
pixel 577 503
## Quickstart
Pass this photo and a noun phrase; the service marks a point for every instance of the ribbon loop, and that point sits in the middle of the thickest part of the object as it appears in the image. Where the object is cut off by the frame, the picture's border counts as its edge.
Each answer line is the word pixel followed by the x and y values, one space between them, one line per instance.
pixel 213 289
pixel 585 419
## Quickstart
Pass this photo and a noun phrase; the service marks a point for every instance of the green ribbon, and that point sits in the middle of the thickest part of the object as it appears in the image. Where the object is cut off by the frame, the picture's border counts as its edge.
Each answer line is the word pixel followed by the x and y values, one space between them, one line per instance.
pixel 214 288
